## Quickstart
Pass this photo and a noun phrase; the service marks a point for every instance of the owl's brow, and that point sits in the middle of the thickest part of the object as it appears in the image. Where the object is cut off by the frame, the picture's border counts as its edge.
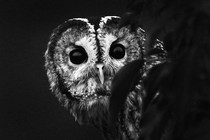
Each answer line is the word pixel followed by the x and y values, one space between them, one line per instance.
pixel 116 41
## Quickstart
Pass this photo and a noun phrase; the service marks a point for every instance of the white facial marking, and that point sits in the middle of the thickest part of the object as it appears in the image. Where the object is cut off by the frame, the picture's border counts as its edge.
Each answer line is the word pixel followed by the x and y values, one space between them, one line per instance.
pixel 91 85
pixel 91 27
pixel 105 19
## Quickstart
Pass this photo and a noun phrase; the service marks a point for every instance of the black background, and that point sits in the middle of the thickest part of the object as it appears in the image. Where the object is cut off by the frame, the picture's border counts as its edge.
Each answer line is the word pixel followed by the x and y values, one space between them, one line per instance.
pixel 28 110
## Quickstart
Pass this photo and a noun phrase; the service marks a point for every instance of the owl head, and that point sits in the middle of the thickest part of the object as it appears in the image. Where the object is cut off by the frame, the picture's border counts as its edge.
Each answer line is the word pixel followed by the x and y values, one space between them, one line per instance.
pixel 83 56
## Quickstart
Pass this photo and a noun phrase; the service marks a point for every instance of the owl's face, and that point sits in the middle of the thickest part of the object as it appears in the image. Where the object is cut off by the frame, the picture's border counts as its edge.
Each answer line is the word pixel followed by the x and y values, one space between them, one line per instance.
pixel 82 58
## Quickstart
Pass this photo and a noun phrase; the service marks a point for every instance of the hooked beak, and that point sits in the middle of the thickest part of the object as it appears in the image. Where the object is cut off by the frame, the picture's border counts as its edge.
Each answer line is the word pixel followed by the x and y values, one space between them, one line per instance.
pixel 100 72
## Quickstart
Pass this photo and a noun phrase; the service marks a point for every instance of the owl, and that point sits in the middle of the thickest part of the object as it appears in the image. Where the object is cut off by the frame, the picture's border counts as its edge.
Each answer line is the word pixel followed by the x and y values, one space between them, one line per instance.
pixel 83 56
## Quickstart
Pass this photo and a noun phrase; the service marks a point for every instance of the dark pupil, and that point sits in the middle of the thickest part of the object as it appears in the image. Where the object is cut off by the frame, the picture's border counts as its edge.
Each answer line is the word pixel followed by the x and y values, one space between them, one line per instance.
pixel 117 51
pixel 78 56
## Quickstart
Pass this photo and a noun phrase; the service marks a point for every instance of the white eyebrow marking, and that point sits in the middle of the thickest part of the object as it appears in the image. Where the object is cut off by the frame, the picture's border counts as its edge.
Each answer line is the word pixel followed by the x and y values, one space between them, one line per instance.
pixel 91 27
pixel 104 20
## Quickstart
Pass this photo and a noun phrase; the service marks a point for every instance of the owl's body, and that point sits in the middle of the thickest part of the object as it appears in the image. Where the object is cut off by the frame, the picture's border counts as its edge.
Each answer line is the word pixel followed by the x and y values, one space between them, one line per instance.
pixel 82 59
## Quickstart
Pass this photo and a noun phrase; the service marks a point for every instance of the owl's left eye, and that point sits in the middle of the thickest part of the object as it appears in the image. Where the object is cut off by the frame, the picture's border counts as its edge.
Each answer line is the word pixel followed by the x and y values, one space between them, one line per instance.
pixel 117 51
pixel 78 56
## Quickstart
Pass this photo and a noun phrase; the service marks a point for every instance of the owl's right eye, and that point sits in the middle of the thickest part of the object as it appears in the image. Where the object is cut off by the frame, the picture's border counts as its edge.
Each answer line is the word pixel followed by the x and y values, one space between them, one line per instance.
pixel 78 56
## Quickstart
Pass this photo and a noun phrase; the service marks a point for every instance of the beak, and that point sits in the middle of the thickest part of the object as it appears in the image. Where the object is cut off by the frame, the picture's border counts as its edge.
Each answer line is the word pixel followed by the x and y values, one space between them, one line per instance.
pixel 100 72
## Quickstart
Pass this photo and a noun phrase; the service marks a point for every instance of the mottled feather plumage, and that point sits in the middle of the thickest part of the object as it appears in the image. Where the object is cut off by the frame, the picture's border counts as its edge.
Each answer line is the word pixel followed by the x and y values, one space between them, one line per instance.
pixel 84 86
pixel 82 58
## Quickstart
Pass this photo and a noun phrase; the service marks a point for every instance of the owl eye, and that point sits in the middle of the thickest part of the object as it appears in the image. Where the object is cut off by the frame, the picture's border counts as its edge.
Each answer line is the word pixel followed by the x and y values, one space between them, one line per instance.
pixel 78 56
pixel 117 51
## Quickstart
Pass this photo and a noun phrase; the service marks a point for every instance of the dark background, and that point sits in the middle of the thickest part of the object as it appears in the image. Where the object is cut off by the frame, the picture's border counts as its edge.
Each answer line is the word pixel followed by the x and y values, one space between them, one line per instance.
pixel 28 110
